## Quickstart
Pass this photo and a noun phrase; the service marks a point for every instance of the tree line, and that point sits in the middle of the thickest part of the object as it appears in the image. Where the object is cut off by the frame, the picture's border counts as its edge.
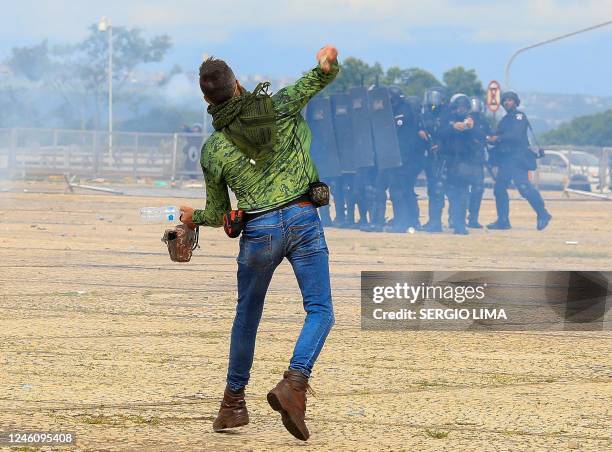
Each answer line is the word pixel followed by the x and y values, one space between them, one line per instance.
pixel 77 75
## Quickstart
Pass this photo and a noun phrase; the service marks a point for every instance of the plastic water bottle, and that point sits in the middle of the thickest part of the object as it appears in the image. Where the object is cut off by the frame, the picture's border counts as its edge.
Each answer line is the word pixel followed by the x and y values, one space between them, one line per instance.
pixel 164 213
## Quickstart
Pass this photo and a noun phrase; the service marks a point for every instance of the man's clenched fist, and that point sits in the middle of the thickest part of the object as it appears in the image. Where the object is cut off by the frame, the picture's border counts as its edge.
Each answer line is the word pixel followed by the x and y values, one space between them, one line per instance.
pixel 326 56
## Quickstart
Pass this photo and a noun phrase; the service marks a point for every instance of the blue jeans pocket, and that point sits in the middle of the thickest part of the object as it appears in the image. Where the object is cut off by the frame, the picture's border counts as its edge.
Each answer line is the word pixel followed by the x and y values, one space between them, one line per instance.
pixel 305 238
pixel 255 249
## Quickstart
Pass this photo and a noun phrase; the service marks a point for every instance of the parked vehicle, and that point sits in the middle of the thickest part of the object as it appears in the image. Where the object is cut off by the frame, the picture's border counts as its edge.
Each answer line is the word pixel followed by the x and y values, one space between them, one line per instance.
pixel 584 168
pixel 552 173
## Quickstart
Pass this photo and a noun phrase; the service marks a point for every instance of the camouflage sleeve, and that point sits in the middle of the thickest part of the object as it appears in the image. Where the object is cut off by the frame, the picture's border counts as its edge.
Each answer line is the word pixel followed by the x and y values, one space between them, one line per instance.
pixel 217 202
pixel 291 99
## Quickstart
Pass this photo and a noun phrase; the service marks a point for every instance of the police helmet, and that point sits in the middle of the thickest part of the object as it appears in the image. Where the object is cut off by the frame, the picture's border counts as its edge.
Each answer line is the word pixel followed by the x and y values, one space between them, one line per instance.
pixel 396 94
pixel 510 95
pixel 476 105
pixel 434 98
pixel 460 101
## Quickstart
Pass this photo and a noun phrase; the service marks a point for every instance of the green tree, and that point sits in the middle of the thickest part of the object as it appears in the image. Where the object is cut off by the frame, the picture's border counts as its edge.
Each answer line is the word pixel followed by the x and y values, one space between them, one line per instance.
pixel 461 80
pixel 78 72
pixel 591 130
pixel 30 62
pixel 356 72
pixel 413 81
pixel 130 49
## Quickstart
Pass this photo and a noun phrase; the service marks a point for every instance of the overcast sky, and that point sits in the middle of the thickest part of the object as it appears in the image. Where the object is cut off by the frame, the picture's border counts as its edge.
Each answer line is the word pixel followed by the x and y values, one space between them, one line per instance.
pixel 280 38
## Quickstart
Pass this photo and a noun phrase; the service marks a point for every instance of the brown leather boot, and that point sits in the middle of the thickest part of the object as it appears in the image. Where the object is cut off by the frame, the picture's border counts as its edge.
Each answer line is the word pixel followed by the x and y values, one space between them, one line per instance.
pixel 233 411
pixel 289 399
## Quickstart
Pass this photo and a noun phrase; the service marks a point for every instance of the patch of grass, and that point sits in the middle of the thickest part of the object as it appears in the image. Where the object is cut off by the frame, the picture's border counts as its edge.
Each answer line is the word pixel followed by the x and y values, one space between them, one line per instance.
pixel 426 384
pixel 212 334
pixel 120 420
pixel 138 419
pixel 98 420
pixel 437 434
pixel 508 432
pixel 507 379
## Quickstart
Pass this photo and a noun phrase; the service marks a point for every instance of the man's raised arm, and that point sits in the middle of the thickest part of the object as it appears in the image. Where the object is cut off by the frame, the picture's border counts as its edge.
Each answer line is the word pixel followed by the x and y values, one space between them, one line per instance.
pixel 291 99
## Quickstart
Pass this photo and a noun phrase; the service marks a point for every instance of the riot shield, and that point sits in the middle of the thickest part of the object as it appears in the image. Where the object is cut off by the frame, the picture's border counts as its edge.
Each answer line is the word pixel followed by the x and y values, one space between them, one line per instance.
pixel 341 113
pixel 323 148
pixel 386 143
pixel 363 143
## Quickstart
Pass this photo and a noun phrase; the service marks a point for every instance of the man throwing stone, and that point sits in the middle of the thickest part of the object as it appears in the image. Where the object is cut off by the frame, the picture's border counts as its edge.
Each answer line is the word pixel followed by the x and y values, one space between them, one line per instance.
pixel 260 150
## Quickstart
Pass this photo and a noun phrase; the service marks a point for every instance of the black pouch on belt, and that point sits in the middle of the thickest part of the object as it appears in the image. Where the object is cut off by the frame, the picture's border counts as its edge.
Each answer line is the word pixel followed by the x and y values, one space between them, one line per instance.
pixel 318 193
pixel 233 223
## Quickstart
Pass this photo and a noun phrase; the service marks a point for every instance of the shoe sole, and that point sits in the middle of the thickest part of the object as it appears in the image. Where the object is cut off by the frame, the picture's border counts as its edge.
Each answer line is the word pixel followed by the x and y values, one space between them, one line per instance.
pixel 287 421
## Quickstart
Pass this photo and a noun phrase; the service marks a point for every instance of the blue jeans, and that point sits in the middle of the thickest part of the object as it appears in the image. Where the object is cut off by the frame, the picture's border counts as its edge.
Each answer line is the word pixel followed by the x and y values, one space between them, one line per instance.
pixel 294 232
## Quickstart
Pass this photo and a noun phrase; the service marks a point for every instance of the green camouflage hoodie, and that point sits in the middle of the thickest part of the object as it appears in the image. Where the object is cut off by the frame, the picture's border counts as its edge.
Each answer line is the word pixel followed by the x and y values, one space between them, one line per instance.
pixel 277 176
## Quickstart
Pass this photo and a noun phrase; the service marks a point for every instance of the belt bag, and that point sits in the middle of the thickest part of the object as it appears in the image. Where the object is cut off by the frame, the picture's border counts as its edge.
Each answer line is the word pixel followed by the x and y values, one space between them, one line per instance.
pixel 233 223
pixel 318 192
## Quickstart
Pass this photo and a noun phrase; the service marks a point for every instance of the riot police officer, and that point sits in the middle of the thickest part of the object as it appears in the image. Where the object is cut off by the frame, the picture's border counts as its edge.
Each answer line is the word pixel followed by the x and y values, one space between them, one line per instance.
pixel 476 183
pixel 433 110
pixel 462 140
pixel 415 150
pixel 514 159
pixel 412 150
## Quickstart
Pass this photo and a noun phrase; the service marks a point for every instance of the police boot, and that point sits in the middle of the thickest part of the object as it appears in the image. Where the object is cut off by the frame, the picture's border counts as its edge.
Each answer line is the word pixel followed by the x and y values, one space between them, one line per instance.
pixel 399 222
pixel 433 227
pixel 340 219
pixel 363 215
pixel 474 212
pixel 350 215
pixel 289 399
pixel 473 219
pixel 458 230
pixel 543 220
pixel 500 224
pixel 233 411
pixel 378 217
pixel 474 224
pixel 374 209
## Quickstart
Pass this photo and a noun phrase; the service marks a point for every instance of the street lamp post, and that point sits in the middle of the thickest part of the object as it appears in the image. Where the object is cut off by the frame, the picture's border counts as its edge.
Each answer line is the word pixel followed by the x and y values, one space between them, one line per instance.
pixel 106 25
pixel 548 41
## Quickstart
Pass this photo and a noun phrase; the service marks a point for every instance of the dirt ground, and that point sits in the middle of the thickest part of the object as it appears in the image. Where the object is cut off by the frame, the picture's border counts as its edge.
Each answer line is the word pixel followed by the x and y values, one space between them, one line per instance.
pixel 102 335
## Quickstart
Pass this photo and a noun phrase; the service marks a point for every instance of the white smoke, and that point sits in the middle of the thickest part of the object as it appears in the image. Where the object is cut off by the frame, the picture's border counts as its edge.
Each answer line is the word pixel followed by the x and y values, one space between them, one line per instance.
pixel 182 90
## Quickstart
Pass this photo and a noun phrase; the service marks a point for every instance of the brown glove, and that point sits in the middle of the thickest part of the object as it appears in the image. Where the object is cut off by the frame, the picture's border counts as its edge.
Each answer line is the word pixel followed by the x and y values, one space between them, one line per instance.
pixel 181 242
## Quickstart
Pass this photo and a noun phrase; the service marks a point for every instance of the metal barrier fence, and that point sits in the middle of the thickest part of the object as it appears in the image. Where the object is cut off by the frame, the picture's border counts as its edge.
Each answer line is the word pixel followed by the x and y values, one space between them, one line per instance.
pixel 25 151
pixel 171 156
